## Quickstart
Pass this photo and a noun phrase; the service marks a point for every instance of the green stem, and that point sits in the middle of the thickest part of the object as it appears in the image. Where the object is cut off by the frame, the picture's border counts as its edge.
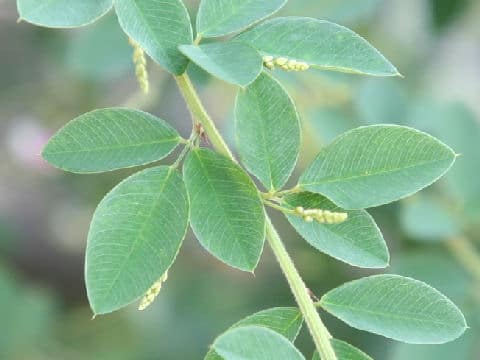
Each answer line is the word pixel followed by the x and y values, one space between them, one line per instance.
pixel 319 332
pixel 279 207
pixel 199 113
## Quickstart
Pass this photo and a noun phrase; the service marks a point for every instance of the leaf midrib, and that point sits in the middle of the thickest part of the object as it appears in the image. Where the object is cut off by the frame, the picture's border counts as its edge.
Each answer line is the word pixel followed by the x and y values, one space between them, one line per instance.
pixel 116 147
pixel 376 173
pixel 413 317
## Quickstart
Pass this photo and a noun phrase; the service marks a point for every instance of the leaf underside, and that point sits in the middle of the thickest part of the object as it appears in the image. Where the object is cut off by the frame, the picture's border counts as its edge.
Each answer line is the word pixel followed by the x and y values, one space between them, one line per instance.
pixel 357 241
pixel 227 214
pixel 223 17
pixel 375 165
pixel 234 62
pixel 286 321
pixel 254 342
pixel 109 139
pixel 396 307
pixel 267 131
pixel 159 27
pixel 134 237
pixel 319 43
pixel 62 13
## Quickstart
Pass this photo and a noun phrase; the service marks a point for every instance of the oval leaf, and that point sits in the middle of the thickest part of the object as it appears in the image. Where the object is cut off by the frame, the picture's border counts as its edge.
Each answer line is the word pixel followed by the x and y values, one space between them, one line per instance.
pixel 375 165
pixel 109 139
pixel 357 241
pixel 286 321
pixel 227 217
pixel 159 27
pixel 319 43
pixel 134 237
pixel 267 131
pixel 234 62
pixel 345 351
pixel 224 17
pixel 62 13
pixel 255 343
pixel 397 307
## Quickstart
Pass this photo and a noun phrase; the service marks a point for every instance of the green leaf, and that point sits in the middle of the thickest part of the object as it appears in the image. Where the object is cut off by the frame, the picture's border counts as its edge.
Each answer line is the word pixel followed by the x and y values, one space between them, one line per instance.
pixel 109 139
pixel 255 343
pixel 234 62
pixel 345 351
pixel 267 131
pixel 134 237
pixel 375 165
pixel 159 27
pixel 397 307
pixel 227 215
pixel 321 44
pixel 357 241
pixel 286 321
pixel 425 220
pixel 62 13
pixel 223 17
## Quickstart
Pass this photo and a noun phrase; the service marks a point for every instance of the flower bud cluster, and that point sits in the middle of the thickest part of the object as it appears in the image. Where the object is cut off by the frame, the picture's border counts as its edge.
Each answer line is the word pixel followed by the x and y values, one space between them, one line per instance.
pixel 140 62
pixel 322 216
pixel 152 293
pixel 286 64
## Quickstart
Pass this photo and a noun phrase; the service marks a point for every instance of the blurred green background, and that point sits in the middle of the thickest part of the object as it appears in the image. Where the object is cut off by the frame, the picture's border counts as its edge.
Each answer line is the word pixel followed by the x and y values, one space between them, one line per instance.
pixel 48 77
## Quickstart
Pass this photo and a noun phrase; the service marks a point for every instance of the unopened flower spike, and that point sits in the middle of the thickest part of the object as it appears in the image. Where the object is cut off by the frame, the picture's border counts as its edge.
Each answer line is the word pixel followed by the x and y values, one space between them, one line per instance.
pixel 268 62
pixel 140 61
pixel 152 293
pixel 284 63
pixel 321 216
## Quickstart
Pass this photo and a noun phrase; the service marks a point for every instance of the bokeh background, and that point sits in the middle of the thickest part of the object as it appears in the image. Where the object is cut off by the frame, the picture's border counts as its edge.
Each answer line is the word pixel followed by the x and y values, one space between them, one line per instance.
pixel 48 77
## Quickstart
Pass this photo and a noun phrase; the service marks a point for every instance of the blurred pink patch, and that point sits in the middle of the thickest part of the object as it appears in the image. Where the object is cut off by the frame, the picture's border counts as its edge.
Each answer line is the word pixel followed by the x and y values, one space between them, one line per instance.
pixel 24 141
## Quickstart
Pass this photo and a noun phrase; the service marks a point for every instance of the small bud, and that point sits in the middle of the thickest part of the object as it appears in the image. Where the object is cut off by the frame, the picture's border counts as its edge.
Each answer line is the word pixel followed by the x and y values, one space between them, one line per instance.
pixel 321 216
pixel 270 65
pixel 292 64
pixel 152 293
pixel 281 61
pixel 140 62
pixel 304 66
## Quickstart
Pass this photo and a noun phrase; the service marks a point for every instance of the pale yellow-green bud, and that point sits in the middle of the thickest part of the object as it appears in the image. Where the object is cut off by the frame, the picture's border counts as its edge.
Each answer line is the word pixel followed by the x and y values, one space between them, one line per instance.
pixel 152 293
pixel 321 216
pixel 304 66
pixel 308 218
pixel 299 210
pixel 270 65
pixel 281 61
pixel 292 64
pixel 140 61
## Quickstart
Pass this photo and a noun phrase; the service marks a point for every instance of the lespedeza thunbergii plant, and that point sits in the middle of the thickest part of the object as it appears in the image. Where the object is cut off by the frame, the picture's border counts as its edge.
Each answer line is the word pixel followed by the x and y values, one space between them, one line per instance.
pixel 138 228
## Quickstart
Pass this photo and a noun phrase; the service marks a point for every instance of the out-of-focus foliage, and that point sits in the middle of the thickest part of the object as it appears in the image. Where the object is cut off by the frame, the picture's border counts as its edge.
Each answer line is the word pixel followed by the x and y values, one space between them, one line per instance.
pixel 48 77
